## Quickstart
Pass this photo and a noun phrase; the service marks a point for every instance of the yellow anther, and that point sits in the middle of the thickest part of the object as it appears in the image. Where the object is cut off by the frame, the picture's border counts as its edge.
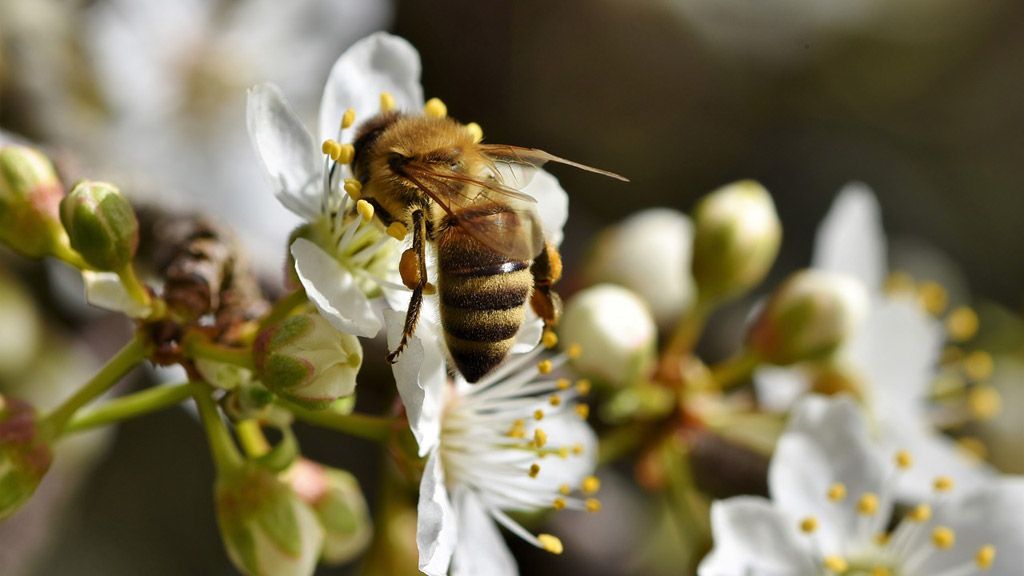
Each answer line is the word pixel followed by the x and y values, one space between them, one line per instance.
pixel 899 282
pixel 882 538
pixel 591 484
pixel 550 543
pixel 565 489
pixel 558 503
pixel 920 513
pixel 518 429
pixel 952 354
pixel 330 147
pixel 868 504
pixel 435 108
pixel 809 525
pixel 476 131
pixel 574 351
pixel 933 297
pixel 429 289
pixel 837 492
pixel 577 449
pixel 534 470
pixel 365 210
pixel 544 366
pixel 583 387
pixel 985 557
pixel 985 402
pixel 943 537
pixel 972 447
pixel 979 365
pixel 540 437
pixel 592 504
pixel 555 400
pixel 563 383
pixel 387 102
pixel 354 188
pixel 904 460
pixel 563 452
pixel 346 152
pixel 962 324
pixel 538 414
pixel 398 230
pixel 583 411
pixel 348 118
pixel 549 339
pixel 836 564
pixel 943 484
pixel 880 571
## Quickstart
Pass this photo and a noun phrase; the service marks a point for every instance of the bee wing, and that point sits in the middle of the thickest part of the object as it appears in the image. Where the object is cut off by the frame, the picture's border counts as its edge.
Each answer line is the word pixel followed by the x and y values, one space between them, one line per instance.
pixel 518 156
pixel 498 216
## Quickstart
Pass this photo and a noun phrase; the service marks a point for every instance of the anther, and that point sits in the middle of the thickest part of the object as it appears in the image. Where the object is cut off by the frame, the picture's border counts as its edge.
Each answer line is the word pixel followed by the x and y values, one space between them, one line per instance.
pixel 920 513
pixel 354 188
pixel 429 289
pixel 544 366
pixel 591 484
pixel 880 571
pixel 550 543
pixel 583 411
pixel 933 297
pixel 943 484
pixel 868 504
pixel 565 489
pixel 387 102
pixel 574 351
pixel 836 564
pixel 540 437
pixel 549 339
pixel 555 400
pixel 330 148
pixel 577 449
pixel 962 324
pixel 943 537
pixel 534 470
pixel 476 131
pixel 583 387
pixel 899 282
pixel 558 503
pixel 538 414
pixel 592 504
pixel 985 557
pixel 837 492
pixel 398 231
pixel 904 460
pixel 882 538
pixel 365 210
pixel 979 365
pixel 972 447
pixel 563 383
pixel 809 525
pixel 563 452
pixel 345 154
pixel 435 108
pixel 348 118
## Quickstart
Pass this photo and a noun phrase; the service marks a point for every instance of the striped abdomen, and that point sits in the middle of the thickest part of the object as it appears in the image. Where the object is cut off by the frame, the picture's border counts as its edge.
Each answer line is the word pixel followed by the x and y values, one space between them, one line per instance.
pixel 483 296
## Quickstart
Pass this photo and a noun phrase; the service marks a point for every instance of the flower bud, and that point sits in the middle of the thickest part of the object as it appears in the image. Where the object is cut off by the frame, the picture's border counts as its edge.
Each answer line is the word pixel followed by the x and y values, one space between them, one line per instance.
pixel 615 331
pixel 267 529
pixel 650 254
pixel 339 504
pixel 736 241
pixel 24 457
pixel 808 317
pixel 305 360
pixel 101 225
pixel 30 194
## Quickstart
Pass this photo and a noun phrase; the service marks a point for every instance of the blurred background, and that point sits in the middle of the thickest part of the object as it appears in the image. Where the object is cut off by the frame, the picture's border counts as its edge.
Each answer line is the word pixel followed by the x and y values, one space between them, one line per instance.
pixel 919 99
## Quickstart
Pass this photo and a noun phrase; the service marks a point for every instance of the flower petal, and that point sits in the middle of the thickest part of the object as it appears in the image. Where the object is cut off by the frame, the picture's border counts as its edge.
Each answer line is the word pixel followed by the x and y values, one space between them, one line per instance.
pixel 934 455
pixel 286 148
pixel 778 388
pixel 334 291
pixel 752 538
pixel 104 290
pixel 378 63
pixel 436 527
pixel 421 378
pixel 851 240
pixel 552 204
pixel 480 548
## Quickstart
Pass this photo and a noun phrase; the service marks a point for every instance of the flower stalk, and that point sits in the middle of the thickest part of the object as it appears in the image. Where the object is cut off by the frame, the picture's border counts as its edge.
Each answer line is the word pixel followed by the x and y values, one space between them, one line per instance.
pixel 374 428
pixel 132 406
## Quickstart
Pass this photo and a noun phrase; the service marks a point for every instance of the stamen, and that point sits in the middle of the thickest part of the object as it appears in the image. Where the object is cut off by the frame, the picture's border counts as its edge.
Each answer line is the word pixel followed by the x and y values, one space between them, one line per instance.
pixel 345 154
pixel 387 102
pixel 943 484
pixel 985 402
pixel 837 492
pixel 534 470
pixel 354 188
pixel 574 351
pixel 868 504
pixel 979 365
pixel 538 414
pixel 476 131
pixel 348 118
pixel 583 387
pixel 920 513
pixel 555 400
pixel 985 557
pixel 809 525
pixel 435 108
pixel 549 339
pixel 550 543
pixel 880 571
pixel 558 503
pixel 544 366
pixel 899 282
pixel 962 324
pixel 972 448
pixel 518 429
pixel 565 489
pixel 882 538
pixel 943 537
pixel 365 210
pixel 836 564
pixel 330 148
pixel 563 383
pixel 933 297
pixel 577 449
pixel 540 437
pixel 592 504
pixel 591 484
pixel 904 460
pixel 583 411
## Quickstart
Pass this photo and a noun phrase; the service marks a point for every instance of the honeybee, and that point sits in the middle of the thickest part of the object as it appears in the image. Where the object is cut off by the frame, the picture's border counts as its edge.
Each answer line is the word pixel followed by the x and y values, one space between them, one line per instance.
pixel 433 177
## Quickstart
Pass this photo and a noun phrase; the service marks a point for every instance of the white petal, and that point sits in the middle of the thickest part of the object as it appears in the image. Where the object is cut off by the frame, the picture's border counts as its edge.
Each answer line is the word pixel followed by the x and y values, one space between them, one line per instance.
pixel 552 204
pixel 286 148
pixel 378 63
pixel 481 548
pixel 826 442
pixel 334 291
pixel 436 526
pixel 934 455
pixel 752 538
pixel 104 290
pixel 851 240
pixel 421 378
pixel 779 388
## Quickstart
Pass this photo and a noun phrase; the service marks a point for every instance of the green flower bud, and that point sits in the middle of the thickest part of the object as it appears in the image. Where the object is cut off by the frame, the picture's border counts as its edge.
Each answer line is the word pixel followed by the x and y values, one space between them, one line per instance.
pixel 24 457
pixel 267 529
pixel 615 331
pixel 305 360
pixel 339 504
pixel 30 194
pixel 101 225
pixel 736 241
pixel 807 318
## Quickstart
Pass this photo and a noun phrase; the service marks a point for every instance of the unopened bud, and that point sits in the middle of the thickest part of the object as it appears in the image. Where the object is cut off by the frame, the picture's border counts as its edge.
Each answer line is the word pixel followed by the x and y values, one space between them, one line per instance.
pixel 24 457
pixel 808 317
pixel 101 225
pixel 267 529
pixel 306 360
pixel 339 505
pixel 30 194
pixel 615 331
pixel 736 241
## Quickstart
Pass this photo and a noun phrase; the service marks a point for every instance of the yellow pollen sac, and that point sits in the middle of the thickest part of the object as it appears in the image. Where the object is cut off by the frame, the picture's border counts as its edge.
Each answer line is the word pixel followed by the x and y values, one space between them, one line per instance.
pixel 476 131
pixel 538 414
pixel 550 543
pixel 549 339
pixel 544 366
pixel 387 102
pixel 837 492
pixel 518 429
pixel 979 365
pixel 836 564
pixel 972 448
pixel 591 484
pixel 577 449
pixel 904 460
pixel 943 484
pixel 365 210
pixel 962 324
pixel 558 504
pixel 346 152
pixel 435 108
pixel 348 118
pixel 540 437
pixel 881 538
pixel 330 148
pixel 574 351
pixel 880 571
pixel 555 400
pixel 398 231
pixel 583 387
pixel 933 297
pixel 354 188
pixel 534 470
pixel 868 504
pixel 985 557
pixel 583 411
pixel 565 489
pixel 899 282
pixel 985 402
pixel 920 513
pixel 593 505
pixel 809 525
pixel 563 383
pixel 943 537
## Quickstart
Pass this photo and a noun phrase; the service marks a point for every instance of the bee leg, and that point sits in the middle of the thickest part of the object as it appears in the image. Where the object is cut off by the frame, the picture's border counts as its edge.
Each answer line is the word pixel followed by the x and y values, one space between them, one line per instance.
pixel 413 268
pixel 546 270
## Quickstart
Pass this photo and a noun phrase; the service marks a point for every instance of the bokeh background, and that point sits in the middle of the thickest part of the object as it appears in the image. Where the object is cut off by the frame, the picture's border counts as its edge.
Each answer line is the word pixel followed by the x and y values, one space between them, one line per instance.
pixel 919 99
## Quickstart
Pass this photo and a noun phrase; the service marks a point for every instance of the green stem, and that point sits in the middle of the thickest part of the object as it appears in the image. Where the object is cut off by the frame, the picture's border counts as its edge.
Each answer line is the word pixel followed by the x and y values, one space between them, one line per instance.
pixel 253 441
pixel 225 453
pixel 131 406
pixel 373 428
pixel 688 507
pixel 135 289
pixel 122 362
pixel 734 370
pixel 282 308
pixel 66 254
pixel 688 331
pixel 199 347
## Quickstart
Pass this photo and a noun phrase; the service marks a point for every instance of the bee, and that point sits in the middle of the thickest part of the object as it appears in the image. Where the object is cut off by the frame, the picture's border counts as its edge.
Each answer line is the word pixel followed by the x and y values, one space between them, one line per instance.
pixel 432 177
